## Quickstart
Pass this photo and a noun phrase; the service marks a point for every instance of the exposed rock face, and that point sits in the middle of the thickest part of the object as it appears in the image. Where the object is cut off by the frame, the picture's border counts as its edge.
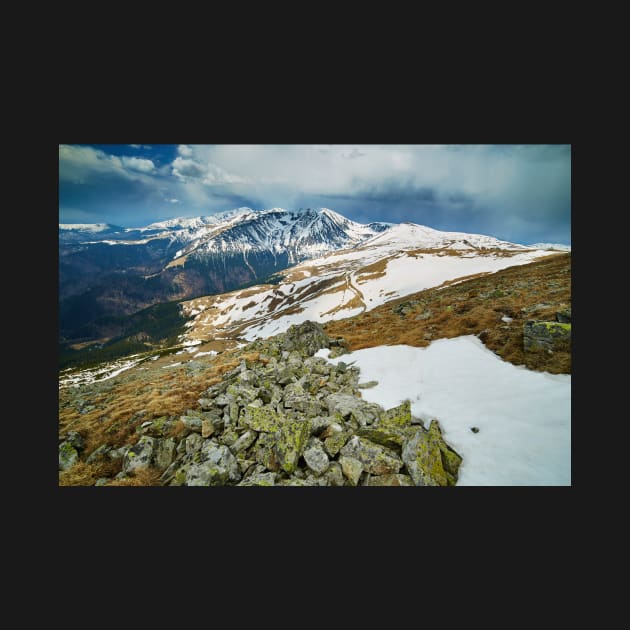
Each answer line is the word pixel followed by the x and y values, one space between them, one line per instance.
pixel 288 419
pixel 546 336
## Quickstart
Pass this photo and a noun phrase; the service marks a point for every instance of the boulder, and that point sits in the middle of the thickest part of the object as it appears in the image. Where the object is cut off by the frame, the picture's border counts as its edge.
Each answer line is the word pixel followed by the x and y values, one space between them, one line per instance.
pixel 390 480
pixel 220 456
pixel 334 475
pixel 164 453
pixel 429 460
pixel 335 442
pixel 306 338
pixel 546 336
pixel 351 469
pixel 75 440
pixel 564 317
pixel 244 441
pixel 316 458
pixel 193 443
pixel 68 456
pixel 376 459
pixel 192 423
pixel 265 452
pixel 140 455
pixel 291 439
pixel 260 479
pixel 262 419
pixel 101 452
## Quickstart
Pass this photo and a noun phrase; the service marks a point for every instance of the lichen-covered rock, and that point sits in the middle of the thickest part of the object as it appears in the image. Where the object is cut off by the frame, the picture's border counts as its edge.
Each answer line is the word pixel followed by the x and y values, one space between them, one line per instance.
pixel 351 468
pixel 220 455
pixel 348 405
pixel 307 338
pixel 98 454
pixel 75 440
pixel 367 385
pixel 390 480
pixel 291 439
pixel 207 428
pixel 193 443
pixel 423 458
pixel 164 453
pixel 68 456
pixel 451 460
pixel 399 416
pixel 205 474
pixel 335 442
pixel 260 479
pixel 564 317
pixel 192 423
pixel 376 459
pixel 334 475
pixel 244 441
pixel 265 451
pixel 316 458
pixel 101 481
pixel 140 455
pixel 262 419
pixel 546 336
pixel 389 436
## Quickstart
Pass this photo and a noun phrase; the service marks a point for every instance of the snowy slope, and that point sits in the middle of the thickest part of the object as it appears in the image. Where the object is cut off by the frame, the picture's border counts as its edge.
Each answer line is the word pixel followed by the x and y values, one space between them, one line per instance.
pixel 347 282
pixel 559 247
pixel 523 417
pixel 421 236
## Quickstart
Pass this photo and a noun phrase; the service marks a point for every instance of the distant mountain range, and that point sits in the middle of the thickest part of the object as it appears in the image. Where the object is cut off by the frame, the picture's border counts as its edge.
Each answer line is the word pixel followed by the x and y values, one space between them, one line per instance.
pixel 107 271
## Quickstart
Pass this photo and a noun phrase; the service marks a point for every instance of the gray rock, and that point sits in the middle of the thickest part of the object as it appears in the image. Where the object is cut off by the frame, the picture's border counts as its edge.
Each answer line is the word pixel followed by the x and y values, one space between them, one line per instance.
pixel 244 442
pixel 68 456
pixel 265 452
pixel 291 440
pixel 164 453
pixel 222 457
pixel 102 451
pixel 334 475
pixel 193 443
pixel 423 460
pixel 140 455
pixel 306 338
pixel 351 468
pixel 376 459
pixel 205 474
pixel 260 479
pixel 546 336
pixel 390 480
pixel 192 423
pixel 316 459
pixel 75 440
pixel 335 442
pixel 367 384
pixel 101 481
pixel 564 317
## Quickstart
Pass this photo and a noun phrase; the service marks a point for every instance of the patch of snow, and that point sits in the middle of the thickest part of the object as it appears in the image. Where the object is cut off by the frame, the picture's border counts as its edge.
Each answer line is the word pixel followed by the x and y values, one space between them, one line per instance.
pixel 523 417
pixel 506 319
pixel 210 353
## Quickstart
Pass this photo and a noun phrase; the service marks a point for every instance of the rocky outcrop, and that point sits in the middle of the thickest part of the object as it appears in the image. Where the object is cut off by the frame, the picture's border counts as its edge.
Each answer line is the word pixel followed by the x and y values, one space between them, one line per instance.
pixel 287 418
pixel 546 336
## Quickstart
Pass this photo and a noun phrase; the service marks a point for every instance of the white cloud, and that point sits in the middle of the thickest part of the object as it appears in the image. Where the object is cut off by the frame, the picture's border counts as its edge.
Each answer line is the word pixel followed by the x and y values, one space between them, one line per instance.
pixel 138 164
pixel 174 200
pixel 184 150
pixel 207 173
pixel 135 146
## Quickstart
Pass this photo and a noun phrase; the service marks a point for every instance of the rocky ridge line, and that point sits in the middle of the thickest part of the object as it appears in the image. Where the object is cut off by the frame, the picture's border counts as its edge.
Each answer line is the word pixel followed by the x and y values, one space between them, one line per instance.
pixel 286 418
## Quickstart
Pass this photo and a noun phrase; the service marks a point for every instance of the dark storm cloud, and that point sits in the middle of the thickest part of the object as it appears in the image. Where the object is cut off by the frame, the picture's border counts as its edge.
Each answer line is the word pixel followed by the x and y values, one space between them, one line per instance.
pixel 516 192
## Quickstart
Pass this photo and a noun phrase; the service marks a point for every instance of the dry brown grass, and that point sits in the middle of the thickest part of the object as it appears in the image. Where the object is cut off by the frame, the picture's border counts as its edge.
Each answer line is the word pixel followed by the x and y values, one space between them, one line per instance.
pixel 148 476
pixel 82 474
pixel 474 306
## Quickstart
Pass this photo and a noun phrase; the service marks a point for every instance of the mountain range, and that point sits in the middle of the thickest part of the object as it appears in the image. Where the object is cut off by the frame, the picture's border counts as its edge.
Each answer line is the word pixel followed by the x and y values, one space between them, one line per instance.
pixel 108 273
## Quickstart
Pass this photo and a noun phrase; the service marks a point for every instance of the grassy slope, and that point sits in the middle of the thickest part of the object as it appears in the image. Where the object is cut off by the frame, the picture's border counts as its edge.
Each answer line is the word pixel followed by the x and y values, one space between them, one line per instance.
pixel 474 307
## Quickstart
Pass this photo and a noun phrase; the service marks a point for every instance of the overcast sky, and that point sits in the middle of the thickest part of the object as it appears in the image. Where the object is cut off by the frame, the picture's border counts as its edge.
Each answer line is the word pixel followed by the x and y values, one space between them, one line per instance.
pixel 521 193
